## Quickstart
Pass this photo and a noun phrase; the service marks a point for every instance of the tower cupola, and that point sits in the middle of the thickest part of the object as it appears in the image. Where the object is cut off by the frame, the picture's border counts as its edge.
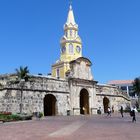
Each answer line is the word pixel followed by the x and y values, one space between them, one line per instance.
pixel 71 44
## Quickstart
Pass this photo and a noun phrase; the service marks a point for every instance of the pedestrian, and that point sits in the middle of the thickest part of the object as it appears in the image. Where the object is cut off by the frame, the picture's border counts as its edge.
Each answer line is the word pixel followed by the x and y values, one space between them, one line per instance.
pixel 108 111
pixel 99 110
pixel 121 110
pixel 112 109
pixel 133 113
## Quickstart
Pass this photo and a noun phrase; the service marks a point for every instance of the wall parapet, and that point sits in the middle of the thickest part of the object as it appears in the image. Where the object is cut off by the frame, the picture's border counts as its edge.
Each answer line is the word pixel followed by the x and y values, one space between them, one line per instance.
pixel 105 90
pixel 37 83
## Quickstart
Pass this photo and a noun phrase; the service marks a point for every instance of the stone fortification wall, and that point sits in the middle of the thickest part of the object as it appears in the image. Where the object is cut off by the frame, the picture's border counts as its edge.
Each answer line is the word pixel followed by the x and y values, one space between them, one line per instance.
pixel 34 92
pixel 66 93
pixel 114 95
pixel 35 83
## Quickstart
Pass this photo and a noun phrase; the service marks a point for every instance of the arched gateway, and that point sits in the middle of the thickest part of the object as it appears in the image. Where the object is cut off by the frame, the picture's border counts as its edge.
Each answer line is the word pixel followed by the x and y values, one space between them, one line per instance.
pixel 49 105
pixel 106 104
pixel 84 102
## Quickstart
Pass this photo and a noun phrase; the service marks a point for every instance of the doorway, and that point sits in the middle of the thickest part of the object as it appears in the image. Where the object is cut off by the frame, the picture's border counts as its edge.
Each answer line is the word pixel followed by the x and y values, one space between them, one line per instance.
pixel 49 105
pixel 106 104
pixel 84 102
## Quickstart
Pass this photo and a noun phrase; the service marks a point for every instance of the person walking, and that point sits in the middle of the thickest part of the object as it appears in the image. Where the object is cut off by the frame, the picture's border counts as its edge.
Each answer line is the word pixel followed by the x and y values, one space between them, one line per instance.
pixel 121 110
pixel 108 111
pixel 133 113
pixel 112 109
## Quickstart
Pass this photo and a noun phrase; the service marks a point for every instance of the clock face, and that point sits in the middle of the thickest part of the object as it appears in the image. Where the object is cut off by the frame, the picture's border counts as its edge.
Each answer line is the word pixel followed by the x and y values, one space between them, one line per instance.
pixel 78 49
pixel 63 49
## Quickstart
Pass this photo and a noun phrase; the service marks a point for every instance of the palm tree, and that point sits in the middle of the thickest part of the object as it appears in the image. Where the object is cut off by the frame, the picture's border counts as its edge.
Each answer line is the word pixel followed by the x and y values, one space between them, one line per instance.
pixel 23 77
pixel 22 73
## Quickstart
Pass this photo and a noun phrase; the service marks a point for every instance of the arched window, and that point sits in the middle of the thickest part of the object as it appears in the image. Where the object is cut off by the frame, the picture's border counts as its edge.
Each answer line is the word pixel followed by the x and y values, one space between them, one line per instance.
pixel 74 33
pixel 57 73
pixel 66 34
pixel 71 33
pixel 71 50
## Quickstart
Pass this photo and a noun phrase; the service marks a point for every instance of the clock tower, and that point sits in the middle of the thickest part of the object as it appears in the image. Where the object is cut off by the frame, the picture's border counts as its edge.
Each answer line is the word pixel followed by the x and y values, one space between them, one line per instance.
pixel 70 46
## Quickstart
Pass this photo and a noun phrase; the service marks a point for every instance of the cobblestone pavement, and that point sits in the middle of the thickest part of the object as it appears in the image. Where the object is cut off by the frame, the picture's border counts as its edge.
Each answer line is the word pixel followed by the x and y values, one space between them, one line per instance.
pixel 95 127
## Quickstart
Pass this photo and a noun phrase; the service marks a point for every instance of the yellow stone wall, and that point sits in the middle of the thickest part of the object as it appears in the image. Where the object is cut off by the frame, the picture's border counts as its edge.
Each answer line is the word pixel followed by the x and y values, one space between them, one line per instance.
pixel 66 56
pixel 63 68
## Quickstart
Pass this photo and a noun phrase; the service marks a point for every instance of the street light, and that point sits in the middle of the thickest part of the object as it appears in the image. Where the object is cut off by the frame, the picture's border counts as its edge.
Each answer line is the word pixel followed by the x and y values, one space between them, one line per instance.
pixel 22 81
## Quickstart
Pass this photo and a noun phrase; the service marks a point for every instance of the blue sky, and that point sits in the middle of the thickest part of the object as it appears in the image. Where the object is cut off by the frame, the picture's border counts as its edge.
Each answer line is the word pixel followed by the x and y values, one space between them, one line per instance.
pixel 30 32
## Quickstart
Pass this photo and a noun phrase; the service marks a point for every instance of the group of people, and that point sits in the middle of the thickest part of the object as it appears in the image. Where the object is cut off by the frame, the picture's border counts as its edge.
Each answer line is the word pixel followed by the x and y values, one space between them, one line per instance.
pixel 132 113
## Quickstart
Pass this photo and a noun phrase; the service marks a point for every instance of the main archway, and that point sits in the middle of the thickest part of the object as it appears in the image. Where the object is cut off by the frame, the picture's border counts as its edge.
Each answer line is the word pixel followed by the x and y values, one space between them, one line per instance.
pixel 106 104
pixel 49 105
pixel 84 102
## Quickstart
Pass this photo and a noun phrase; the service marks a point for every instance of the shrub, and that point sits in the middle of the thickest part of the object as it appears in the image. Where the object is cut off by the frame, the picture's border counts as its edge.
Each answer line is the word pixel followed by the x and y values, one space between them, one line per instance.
pixel 127 110
pixel 40 115
pixel 15 117
pixel 138 110
pixel 25 116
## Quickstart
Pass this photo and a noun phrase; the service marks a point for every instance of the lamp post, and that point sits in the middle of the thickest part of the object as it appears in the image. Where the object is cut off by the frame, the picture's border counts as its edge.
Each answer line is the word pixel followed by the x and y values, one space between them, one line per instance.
pixel 22 81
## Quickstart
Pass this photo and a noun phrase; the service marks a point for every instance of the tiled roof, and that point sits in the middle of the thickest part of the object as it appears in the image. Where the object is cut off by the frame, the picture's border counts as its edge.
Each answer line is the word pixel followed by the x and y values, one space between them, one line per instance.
pixel 118 82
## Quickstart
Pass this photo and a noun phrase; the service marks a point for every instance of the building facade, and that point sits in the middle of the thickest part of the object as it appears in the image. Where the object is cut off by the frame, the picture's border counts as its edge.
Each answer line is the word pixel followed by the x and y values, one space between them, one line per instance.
pixel 71 89
pixel 125 85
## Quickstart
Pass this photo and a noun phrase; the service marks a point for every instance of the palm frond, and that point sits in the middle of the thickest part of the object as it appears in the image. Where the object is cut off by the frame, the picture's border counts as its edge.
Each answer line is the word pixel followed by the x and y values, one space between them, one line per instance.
pixel 22 73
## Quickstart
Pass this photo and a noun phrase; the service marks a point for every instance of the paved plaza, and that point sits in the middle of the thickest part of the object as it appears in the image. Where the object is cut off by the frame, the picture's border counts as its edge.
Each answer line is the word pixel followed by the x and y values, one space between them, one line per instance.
pixel 95 127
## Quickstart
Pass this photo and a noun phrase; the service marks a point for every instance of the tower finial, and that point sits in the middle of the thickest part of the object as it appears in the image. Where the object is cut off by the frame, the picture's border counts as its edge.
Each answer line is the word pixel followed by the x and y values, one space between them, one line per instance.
pixel 70 18
pixel 70 3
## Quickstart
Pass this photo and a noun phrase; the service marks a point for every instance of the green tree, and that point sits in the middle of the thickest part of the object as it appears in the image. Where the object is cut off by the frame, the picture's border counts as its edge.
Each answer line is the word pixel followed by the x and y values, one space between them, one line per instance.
pixel 136 86
pixel 22 73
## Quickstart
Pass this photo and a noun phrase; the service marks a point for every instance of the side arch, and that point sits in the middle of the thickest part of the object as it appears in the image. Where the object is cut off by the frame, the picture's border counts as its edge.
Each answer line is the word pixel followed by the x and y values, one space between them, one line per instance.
pixel 84 102
pixel 106 103
pixel 49 105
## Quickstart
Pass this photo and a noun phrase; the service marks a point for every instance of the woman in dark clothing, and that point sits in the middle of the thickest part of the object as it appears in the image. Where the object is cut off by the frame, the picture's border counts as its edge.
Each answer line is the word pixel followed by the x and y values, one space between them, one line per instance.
pixel 121 111
pixel 133 115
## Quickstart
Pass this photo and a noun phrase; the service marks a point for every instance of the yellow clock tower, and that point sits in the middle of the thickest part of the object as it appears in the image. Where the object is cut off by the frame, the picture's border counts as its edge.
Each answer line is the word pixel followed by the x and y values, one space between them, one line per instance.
pixel 71 47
